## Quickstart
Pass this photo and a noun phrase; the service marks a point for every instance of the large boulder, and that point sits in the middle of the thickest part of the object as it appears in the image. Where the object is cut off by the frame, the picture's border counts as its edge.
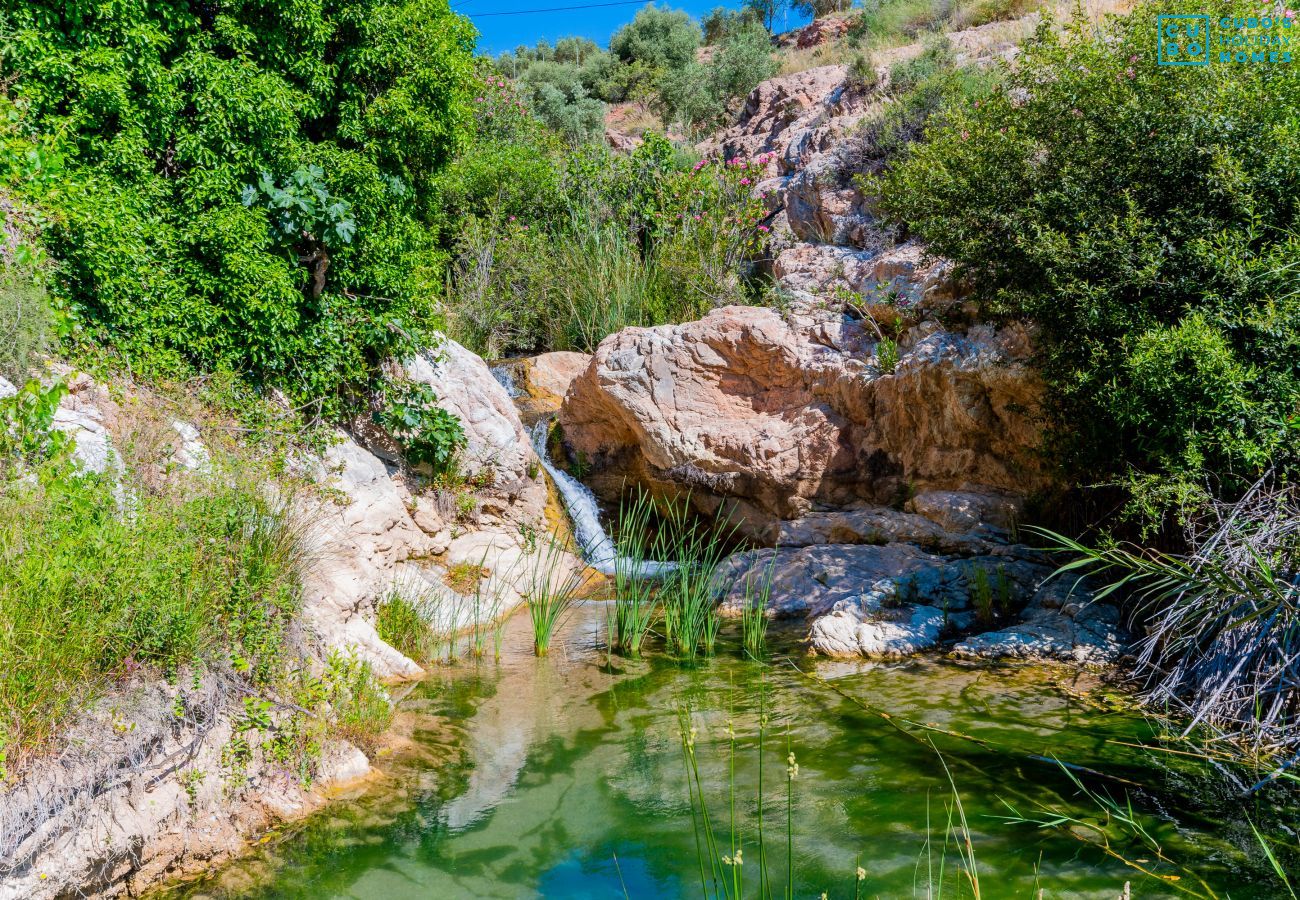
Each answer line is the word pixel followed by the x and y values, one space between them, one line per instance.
pixel 466 387
pixel 823 205
pixel 548 376
pixel 771 416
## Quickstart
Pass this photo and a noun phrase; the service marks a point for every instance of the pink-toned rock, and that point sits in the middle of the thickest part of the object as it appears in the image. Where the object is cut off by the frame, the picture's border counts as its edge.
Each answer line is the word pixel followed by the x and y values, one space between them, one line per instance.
pixel 744 407
pixel 822 207
pixel 896 283
pixel 549 375
pixel 621 142
pixel 820 31
pixel 821 268
pixel 792 117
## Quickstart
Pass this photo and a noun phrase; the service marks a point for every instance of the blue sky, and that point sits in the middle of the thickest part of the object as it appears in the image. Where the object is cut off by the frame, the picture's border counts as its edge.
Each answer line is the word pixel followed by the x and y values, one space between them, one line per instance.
pixel 498 33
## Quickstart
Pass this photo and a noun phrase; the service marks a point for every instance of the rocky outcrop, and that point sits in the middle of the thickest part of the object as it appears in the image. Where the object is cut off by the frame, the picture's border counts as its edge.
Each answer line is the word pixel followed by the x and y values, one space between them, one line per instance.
pixel 113 813
pixel 793 118
pixel 770 416
pixel 899 282
pixel 137 795
pixel 896 599
pixel 823 206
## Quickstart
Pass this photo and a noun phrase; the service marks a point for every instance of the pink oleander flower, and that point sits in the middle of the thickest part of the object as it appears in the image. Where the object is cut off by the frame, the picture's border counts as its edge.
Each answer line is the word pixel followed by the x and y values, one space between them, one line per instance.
pixel 744 181
pixel 764 228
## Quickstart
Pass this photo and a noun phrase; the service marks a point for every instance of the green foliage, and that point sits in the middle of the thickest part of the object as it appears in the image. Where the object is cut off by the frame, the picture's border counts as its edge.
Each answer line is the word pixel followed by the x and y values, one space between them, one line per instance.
pixel 559 98
pixel 554 586
pixel 661 38
pixel 887 355
pixel 165 114
pixel 721 22
pixel 197 574
pixel 921 89
pixel 696 94
pixel 27 437
pixel 1148 222
pixel 26 326
pixel 302 207
pixel 401 622
pixel 638 240
pixel 360 707
pixel 430 435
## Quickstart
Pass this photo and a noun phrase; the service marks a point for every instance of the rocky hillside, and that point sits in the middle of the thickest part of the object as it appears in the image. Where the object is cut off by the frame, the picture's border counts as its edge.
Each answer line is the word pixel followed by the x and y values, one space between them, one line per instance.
pixel 139 793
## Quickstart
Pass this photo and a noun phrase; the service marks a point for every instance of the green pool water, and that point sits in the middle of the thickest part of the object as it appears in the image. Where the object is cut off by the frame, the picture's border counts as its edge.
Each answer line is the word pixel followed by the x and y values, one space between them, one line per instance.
pixel 565 777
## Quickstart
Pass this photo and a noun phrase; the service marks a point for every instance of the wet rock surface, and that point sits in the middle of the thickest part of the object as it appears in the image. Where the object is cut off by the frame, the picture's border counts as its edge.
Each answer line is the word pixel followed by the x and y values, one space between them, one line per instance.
pixel 896 599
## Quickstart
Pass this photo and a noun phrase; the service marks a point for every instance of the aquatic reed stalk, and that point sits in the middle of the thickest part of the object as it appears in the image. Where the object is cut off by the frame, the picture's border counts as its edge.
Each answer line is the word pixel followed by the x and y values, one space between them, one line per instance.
pixel 764 884
pixel 691 617
pixel 753 612
pixel 554 587
pixel 705 842
pixel 635 606
pixel 791 771
pixel 736 846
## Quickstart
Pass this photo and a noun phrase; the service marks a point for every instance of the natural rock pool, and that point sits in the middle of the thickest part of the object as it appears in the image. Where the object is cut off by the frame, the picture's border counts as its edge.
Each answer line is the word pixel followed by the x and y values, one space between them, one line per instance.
pixel 565 777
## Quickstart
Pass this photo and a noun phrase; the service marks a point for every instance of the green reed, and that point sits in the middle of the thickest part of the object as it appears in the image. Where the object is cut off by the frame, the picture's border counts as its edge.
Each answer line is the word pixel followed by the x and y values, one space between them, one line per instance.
pixel 754 617
pixel 635 606
pixel 554 586
pixel 689 595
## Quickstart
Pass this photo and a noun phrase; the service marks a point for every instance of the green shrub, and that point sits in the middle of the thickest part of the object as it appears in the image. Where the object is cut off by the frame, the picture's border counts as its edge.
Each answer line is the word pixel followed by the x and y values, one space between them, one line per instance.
pixel 922 89
pixel 166 117
pixel 560 100
pixel 663 39
pixel 1148 223
pixel 430 435
pixel 720 22
pixel 27 438
pixel 401 622
pixel 697 94
pixel 199 574
pixel 643 241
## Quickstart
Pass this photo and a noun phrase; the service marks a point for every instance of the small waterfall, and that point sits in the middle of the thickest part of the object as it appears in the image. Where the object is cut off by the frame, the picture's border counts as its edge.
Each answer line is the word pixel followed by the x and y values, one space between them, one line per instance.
pixel 596 544
pixel 506 379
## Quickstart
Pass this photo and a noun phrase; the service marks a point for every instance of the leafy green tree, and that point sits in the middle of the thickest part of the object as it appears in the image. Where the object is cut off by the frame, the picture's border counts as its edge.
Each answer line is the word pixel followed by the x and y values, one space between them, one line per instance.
pixel 663 39
pixel 1148 222
pixel 744 59
pixel 558 96
pixel 720 22
pixel 167 111
pixel 697 94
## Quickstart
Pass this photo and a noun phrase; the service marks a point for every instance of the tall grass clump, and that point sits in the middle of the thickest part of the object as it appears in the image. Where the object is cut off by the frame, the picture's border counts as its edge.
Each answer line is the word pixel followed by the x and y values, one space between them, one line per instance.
pixel 25 326
pixel 403 622
pixel 689 595
pixel 554 586
pixel 753 611
pixel 94 586
pixel 636 607
pixel 1221 623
